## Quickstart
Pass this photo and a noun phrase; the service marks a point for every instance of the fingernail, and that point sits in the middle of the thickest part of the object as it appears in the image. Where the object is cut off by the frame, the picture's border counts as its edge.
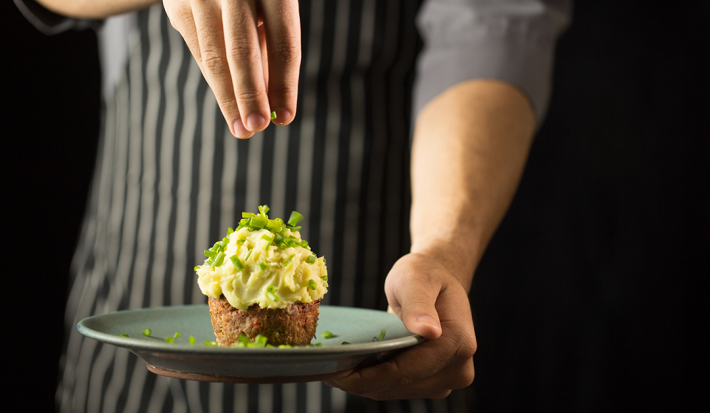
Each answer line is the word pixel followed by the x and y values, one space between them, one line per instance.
pixel 282 116
pixel 255 122
pixel 427 319
pixel 239 130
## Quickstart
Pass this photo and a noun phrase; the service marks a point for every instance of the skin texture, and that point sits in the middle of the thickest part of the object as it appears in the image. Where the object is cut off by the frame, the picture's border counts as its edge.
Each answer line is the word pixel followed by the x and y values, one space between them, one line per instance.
pixel 470 147
pixel 249 51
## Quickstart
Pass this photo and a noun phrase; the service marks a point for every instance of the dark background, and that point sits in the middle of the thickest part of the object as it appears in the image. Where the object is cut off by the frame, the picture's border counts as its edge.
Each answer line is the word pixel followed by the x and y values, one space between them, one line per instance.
pixel 588 298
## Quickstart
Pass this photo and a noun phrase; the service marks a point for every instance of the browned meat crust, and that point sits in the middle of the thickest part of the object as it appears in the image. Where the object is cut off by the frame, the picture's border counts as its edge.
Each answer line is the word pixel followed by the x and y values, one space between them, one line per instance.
pixel 295 324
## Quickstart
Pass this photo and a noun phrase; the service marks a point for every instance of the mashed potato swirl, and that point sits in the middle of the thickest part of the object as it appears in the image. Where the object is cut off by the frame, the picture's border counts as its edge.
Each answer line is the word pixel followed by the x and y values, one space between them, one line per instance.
pixel 272 276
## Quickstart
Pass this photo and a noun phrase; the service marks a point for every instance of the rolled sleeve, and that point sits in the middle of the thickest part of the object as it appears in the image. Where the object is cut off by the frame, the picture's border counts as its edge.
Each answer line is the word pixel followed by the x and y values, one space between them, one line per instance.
pixel 48 22
pixel 508 40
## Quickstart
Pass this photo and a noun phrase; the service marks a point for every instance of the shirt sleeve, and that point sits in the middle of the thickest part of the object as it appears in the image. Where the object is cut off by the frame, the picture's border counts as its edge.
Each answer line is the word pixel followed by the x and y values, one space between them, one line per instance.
pixel 49 22
pixel 508 40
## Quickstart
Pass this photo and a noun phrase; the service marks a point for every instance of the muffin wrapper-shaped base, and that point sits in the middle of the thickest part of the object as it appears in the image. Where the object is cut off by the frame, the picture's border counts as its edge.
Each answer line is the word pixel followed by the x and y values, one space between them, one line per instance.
pixel 294 325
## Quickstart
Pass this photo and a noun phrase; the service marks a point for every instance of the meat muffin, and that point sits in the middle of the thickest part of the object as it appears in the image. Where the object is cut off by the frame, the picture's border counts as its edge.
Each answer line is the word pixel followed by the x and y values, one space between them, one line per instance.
pixel 262 278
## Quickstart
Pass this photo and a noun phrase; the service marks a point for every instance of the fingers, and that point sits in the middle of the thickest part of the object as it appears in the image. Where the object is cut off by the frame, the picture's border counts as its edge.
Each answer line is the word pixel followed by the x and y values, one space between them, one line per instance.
pixel 283 37
pixel 243 51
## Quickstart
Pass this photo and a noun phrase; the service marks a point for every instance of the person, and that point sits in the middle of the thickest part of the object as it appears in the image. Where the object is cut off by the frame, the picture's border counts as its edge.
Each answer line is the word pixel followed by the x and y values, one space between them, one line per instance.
pixel 169 180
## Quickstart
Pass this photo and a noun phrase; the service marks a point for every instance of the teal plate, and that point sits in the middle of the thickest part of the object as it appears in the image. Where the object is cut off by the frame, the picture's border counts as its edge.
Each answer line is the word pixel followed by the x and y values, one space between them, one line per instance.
pixel 203 362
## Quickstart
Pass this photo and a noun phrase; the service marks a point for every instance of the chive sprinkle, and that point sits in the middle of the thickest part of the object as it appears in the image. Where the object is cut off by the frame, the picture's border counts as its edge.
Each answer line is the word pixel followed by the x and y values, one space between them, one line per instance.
pixel 312 284
pixel 248 254
pixel 169 340
pixel 324 278
pixel 210 253
pixel 219 260
pixel 247 214
pixel 382 334
pixel 192 340
pixel 176 335
pixel 237 264
pixel 294 219
pixel 289 260
pixel 263 266
pixel 326 334
pixel 311 259
pixel 271 289
pixel 197 267
pixel 240 241
pixel 273 115
pixel 273 296
pixel 243 338
pixel 124 335
pixel 210 343
pixel 258 221
pixel 146 332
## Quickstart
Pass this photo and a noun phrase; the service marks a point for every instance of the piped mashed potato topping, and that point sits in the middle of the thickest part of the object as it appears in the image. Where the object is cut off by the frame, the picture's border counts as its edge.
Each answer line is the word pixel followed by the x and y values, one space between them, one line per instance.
pixel 269 265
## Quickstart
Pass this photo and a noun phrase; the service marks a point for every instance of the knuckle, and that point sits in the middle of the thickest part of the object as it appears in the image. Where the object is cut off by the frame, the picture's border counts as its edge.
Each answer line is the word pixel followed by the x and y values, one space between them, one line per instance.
pixel 213 61
pixel 287 50
pixel 248 95
pixel 242 49
pixel 464 376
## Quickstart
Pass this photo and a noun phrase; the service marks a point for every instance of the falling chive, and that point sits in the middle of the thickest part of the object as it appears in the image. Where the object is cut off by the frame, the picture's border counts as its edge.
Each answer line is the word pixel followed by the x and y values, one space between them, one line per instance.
pixel 272 296
pixel 237 264
pixel 294 219
pixel 289 260
pixel 263 266
pixel 326 334
pixel 311 259
pixel 176 335
pixel 146 332
pixel 312 284
pixel 192 340
pixel 124 335
pixel 273 115
pixel 169 340
pixel 219 260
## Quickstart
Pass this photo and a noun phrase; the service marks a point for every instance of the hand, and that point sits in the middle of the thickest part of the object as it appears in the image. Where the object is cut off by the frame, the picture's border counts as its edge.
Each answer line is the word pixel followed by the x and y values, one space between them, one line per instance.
pixel 249 52
pixel 433 304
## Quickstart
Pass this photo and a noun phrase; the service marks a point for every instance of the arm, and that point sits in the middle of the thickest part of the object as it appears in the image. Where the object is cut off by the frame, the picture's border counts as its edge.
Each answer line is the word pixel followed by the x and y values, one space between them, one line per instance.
pixel 470 146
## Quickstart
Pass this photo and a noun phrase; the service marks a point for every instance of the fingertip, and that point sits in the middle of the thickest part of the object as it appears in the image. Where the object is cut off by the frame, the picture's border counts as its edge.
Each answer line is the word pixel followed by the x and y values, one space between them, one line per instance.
pixel 425 326
pixel 282 117
pixel 240 132
pixel 255 122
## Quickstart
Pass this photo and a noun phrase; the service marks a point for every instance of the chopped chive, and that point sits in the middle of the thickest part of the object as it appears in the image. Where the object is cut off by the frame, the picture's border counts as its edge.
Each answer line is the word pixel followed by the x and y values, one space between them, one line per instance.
pixel 247 257
pixel 268 244
pixel 263 266
pixel 304 244
pixel 324 278
pixel 247 214
pixel 210 253
pixel 273 296
pixel 318 344
pixel 311 259
pixel 295 218
pixel 344 342
pixel 237 264
pixel 243 338
pixel 176 335
pixel 210 343
pixel 259 341
pixel 197 267
pixel 146 332
pixel 230 230
pixel 273 115
pixel 284 346
pixel 240 241
pixel 271 289
pixel 326 334
pixel 258 221
pixel 263 209
pixel 219 260
pixel 124 335
pixel 240 344
pixel 289 260
pixel 192 340
pixel 312 284
pixel 382 334
pixel 169 340
pixel 323 260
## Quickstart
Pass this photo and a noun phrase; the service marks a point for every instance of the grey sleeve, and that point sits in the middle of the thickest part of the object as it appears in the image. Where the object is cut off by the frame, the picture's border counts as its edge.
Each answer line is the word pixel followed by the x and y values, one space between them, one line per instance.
pixel 509 40
pixel 48 22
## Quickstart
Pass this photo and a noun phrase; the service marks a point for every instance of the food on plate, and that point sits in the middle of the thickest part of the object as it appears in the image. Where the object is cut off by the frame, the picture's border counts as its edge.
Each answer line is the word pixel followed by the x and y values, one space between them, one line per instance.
pixel 263 278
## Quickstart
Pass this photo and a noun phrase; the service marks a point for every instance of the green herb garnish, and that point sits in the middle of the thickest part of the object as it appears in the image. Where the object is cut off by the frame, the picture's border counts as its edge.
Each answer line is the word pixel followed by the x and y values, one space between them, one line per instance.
pixel 124 335
pixel 146 332
pixel 311 259
pixel 192 340
pixel 312 284
pixel 289 260
pixel 326 334
pixel 263 266
pixel 237 264
pixel 169 340
pixel 272 296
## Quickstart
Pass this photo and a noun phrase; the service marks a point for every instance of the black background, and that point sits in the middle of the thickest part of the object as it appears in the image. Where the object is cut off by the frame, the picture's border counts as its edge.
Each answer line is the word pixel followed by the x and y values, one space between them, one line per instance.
pixel 588 298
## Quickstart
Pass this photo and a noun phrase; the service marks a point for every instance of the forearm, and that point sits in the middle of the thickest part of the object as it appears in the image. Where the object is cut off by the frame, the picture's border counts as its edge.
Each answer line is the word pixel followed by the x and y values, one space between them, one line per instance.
pixel 94 9
pixel 470 147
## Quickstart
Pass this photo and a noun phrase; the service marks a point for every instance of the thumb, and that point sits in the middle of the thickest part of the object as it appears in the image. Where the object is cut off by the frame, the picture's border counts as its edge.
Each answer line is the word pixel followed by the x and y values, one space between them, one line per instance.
pixel 415 304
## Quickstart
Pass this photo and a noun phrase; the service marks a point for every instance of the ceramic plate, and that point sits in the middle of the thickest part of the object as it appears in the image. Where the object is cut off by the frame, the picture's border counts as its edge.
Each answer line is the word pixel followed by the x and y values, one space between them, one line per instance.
pixel 203 362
